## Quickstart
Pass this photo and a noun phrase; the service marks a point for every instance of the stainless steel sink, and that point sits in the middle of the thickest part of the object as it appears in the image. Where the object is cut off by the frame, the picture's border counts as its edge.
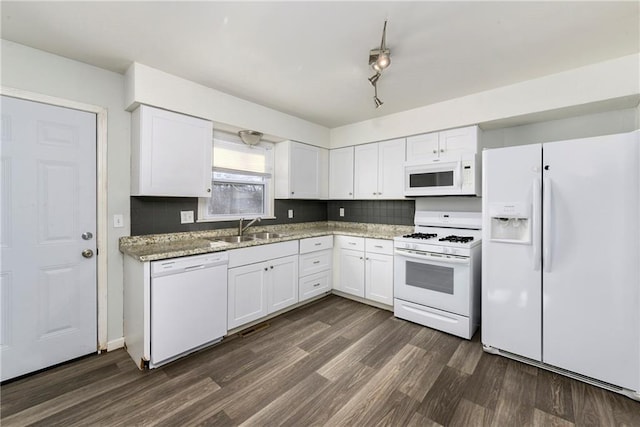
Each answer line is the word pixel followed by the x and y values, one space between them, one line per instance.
pixel 234 239
pixel 264 236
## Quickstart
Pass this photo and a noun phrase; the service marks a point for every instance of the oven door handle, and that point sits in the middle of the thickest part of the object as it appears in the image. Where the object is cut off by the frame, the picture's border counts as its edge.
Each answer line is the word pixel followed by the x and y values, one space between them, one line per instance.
pixel 426 257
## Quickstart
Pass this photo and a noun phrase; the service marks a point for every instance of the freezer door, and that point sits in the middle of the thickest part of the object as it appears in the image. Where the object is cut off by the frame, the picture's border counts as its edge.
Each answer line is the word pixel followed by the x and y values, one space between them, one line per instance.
pixel 591 267
pixel 511 289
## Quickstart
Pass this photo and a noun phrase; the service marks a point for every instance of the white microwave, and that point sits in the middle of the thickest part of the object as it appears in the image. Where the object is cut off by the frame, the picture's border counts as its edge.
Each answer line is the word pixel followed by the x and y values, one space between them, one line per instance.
pixel 443 177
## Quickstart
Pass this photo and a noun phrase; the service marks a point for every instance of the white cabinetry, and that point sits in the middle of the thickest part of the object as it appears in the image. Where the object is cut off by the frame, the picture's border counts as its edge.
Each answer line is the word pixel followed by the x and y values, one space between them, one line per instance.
pixel 301 171
pixel 315 266
pixel 379 271
pixel 379 170
pixel 170 154
pixel 452 143
pixel 341 173
pixel 262 280
pixel 364 268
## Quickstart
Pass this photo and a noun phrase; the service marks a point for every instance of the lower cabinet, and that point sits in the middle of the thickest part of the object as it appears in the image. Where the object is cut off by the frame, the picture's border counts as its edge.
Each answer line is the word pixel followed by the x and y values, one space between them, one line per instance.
pixel 257 289
pixel 315 267
pixel 364 268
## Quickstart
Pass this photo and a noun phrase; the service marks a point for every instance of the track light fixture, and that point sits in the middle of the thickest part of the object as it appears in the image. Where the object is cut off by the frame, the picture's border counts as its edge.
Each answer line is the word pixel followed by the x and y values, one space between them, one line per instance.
pixel 376 100
pixel 379 59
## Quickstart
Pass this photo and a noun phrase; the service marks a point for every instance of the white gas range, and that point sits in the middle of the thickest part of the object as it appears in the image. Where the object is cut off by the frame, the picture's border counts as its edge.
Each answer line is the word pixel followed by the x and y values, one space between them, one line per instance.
pixel 437 272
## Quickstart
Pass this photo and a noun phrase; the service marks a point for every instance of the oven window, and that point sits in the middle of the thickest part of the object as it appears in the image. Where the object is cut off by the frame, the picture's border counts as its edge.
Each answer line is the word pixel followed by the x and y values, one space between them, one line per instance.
pixel 430 277
pixel 431 179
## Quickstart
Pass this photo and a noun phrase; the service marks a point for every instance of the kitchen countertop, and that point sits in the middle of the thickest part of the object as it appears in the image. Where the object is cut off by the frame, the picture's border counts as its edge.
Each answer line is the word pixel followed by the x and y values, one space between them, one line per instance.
pixel 171 245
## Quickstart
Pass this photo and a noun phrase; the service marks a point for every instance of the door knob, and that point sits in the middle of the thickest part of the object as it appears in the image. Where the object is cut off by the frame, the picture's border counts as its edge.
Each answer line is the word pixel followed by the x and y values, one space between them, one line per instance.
pixel 87 253
pixel 87 235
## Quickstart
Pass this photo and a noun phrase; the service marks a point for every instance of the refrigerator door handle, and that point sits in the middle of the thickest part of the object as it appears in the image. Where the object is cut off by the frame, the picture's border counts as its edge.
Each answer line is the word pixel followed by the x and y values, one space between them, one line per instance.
pixel 537 226
pixel 546 225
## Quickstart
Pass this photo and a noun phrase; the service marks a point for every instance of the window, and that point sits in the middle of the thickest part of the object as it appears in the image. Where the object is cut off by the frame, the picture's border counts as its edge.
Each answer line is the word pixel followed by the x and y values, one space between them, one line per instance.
pixel 241 181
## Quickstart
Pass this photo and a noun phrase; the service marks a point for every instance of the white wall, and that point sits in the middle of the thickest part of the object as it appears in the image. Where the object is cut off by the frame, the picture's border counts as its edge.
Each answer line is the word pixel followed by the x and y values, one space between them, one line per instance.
pixel 597 84
pixel 146 85
pixel 40 72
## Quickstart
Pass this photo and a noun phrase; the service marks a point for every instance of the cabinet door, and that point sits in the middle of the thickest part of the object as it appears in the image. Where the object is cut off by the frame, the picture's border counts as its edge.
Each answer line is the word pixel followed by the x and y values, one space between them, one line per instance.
pixel 341 173
pixel 171 154
pixel 379 278
pixel 391 169
pixel 422 147
pixel 304 179
pixel 282 282
pixel 454 142
pixel 247 294
pixel 352 272
pixel 366 171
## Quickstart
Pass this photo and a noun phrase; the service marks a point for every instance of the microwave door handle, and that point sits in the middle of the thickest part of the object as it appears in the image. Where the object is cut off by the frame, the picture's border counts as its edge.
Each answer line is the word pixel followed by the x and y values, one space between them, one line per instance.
pixel 433 258
pixel 537 226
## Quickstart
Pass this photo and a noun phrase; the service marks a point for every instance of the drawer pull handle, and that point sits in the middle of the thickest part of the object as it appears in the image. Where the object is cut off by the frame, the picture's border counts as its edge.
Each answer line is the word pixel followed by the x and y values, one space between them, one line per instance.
pixel 352 243
pixel 318 244
pixel 316 262
pixel 377 246
pixel 316 285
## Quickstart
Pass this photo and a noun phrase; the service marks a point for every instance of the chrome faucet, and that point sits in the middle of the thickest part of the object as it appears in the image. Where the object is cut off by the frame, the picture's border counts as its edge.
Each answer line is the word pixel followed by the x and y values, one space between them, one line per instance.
pixel 241 228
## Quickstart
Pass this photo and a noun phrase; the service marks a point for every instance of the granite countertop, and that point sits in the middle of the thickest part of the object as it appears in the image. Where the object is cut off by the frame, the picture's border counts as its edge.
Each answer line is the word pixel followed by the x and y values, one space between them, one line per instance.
pixel 161 246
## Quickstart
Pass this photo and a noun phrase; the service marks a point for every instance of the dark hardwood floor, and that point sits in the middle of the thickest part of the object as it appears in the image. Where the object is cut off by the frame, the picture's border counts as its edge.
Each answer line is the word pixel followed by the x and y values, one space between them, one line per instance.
pixel 334 362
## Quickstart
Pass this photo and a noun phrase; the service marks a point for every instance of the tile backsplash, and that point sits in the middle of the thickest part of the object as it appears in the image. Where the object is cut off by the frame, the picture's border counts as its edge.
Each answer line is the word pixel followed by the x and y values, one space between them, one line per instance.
pixel 156 215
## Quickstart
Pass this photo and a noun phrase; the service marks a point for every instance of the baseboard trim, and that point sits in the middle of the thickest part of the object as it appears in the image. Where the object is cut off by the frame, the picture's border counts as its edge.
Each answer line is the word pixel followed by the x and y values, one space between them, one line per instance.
pixel 115 344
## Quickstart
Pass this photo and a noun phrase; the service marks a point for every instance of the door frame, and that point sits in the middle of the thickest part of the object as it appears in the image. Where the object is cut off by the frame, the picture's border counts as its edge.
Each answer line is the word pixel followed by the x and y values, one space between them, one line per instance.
pixel 101 194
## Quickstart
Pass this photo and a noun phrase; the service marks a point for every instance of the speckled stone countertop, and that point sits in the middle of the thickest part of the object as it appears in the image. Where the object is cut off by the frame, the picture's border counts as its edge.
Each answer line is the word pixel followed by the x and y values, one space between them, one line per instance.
pixel 161 246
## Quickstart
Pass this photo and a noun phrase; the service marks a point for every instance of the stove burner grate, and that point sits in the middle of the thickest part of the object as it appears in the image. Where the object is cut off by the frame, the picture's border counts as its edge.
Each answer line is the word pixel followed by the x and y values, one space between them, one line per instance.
pixel 456 239
pixel 421 235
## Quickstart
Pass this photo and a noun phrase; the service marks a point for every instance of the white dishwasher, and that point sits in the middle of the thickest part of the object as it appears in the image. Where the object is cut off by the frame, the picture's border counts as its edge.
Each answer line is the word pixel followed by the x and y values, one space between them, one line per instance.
pixel 188 305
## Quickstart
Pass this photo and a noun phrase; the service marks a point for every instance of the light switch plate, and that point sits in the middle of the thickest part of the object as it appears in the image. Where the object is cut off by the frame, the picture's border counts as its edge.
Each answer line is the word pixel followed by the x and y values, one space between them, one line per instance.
pixel 341 211
pixel 186 217
pixel 290 213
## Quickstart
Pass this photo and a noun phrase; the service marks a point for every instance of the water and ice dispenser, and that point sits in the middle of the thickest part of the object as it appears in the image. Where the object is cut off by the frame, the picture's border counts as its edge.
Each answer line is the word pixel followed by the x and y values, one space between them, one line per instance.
pixel 511 222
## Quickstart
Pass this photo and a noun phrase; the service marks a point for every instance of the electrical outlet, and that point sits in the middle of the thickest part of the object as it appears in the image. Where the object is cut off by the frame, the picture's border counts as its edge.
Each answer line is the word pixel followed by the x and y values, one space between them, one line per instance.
pixel 290 213
pixel 186 217
pixel 118 221
pixel 341 211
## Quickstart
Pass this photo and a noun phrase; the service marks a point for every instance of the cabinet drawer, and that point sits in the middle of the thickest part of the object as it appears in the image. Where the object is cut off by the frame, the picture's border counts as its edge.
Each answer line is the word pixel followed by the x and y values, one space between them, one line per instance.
pixel 313 244
pixel 315 262
pixel 261 253
pixel 349 242
pixel 314 285
pixel 379 246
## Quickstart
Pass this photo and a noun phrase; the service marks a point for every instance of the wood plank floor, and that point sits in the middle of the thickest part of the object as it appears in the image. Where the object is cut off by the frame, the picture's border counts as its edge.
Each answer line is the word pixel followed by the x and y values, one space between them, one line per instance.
pixel 334 362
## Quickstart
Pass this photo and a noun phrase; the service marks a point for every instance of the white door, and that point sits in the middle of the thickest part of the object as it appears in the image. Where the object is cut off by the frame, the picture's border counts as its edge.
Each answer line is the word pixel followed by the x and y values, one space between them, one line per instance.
pixel 341 173
pixel 591 321
pixel 379 278
pixel 391 169
pixel 511 278
pixel 48 288
pixel 247 294
pixel 283 283
pixel 305 170
pixel 366 171
pixel 352 272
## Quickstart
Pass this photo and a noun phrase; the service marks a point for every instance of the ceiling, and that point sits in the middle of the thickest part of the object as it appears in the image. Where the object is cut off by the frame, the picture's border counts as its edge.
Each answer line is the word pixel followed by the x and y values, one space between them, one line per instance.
pixel 309 59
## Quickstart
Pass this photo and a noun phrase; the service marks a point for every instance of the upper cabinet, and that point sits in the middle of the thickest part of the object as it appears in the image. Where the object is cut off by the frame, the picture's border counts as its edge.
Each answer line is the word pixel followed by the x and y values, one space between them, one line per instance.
pixel 379 170
pixel 301 171
pixel 341 173
pixel 170 154
pixel 450 143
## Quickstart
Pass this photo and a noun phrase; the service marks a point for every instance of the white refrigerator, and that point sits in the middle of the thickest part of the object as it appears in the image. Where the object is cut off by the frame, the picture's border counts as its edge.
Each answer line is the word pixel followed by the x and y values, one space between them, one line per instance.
pixel 561 257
